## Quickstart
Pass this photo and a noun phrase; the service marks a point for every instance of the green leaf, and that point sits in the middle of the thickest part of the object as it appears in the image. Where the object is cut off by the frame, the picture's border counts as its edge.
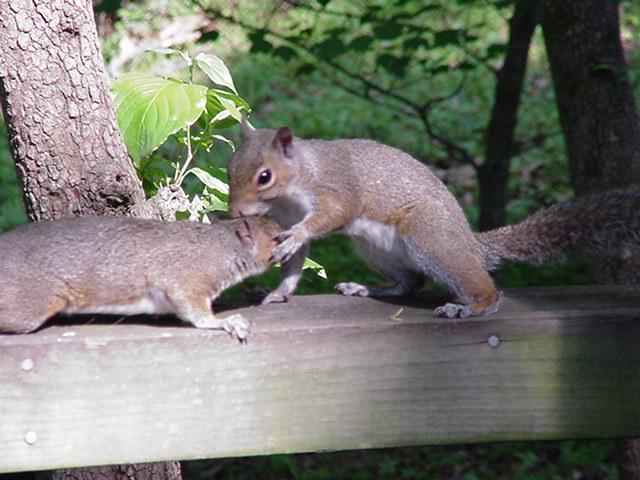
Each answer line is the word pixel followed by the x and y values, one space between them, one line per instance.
pixel 240 102
pixel 149 109
pixel 285 53
pixel 209 180
pixel 447 37
pixel 315 266
pixel 305 69
pixel 413 43
pixel 361 44
pixel 330 48
pixel 216 70
pixel 388 31
pixel 496 50
pixel 172 51
pixel 208 36
pixel 258 43
pixel 216 115
pixel 392 64
pixel 213 200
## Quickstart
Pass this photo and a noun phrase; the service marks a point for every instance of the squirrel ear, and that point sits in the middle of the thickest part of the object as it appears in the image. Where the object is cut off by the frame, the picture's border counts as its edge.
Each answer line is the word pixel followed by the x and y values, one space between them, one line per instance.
pixel 282 141
pixel 246 128
pixel 244 234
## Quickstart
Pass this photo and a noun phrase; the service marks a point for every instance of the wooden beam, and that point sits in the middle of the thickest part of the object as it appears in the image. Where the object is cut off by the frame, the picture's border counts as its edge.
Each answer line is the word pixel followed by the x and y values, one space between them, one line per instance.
pixel 323 373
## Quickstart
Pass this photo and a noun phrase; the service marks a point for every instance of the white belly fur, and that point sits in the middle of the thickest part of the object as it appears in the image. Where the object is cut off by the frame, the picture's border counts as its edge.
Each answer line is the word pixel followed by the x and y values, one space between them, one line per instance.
pixel 154 302
pixel 382 247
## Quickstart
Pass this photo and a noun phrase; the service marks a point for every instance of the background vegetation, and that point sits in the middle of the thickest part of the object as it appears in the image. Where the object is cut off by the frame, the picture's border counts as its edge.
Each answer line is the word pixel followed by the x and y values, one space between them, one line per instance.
pixel 332 69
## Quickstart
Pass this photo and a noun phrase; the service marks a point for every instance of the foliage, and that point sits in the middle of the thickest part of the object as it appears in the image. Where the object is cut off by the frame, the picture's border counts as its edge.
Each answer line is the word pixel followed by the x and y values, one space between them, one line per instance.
pixel 149 109
pixel 412 56
pixel 512 461
pixel 12 211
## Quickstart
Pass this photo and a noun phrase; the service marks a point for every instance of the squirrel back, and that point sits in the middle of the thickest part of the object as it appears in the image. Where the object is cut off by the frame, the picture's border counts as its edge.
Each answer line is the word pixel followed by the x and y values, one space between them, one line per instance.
pixel 596 223
pixel 127 266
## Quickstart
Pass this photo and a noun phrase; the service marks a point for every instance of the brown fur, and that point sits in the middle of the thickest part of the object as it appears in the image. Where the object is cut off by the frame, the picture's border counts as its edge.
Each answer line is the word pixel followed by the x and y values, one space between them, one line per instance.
pixel 403 219
pixel 107 264
pixel 598 223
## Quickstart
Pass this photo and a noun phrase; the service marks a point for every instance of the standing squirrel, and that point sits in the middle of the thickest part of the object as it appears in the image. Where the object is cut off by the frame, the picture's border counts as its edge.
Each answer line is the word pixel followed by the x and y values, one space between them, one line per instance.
pixel 405 222
pixel 129 266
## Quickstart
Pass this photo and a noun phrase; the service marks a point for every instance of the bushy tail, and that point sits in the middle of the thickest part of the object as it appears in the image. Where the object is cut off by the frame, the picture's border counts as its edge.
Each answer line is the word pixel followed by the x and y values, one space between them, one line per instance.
pixel 593 223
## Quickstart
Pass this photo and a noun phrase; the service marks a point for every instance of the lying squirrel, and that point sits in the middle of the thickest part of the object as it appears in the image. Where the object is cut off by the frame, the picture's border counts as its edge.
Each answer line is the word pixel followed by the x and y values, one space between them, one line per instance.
pixel 129 266
pixel 403 219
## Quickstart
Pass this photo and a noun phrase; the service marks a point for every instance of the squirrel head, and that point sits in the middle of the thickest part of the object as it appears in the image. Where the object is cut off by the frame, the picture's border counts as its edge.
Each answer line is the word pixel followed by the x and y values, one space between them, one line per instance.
pixel 261 170
pixel 256 234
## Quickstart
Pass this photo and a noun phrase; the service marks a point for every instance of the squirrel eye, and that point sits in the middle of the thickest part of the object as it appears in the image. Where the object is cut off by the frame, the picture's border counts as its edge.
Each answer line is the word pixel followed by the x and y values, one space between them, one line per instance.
pixel 264 177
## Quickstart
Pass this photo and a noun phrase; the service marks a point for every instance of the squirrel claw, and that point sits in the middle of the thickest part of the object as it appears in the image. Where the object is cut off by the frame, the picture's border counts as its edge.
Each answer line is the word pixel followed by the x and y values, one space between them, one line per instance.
pixel 452 310
pixel 285 250
pixel 237 326
pixel 289 242
pixel 352 289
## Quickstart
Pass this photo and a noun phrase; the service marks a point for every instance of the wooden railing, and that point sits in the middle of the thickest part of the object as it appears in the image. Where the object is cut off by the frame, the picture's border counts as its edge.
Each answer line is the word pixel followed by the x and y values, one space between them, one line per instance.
pixel 323 373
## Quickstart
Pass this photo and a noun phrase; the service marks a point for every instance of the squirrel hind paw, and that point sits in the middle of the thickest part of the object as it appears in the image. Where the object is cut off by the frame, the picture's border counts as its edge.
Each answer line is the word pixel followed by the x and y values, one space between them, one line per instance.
pixel 453 310
pixel 352 289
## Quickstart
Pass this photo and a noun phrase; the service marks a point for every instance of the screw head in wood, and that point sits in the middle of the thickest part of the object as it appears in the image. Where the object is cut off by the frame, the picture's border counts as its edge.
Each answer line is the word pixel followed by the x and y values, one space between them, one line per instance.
pixel 26 364
pixel 30 437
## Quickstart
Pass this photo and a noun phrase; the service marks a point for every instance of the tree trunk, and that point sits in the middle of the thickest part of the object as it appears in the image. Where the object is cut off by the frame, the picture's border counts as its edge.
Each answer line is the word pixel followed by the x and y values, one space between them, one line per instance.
pixel 600 125
pixel 597 109
pixel 63 135
pixel 595 101
pixel 152 471
pixel 493 174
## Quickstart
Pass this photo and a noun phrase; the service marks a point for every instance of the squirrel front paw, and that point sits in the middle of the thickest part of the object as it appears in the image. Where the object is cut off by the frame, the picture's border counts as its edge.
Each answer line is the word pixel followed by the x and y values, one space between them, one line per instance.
pixel 352 289
pixel 237 326
pixel 289 242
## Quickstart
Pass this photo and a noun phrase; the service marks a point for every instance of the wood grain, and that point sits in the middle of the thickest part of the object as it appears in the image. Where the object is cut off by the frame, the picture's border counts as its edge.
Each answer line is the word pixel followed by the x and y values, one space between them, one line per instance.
pixel 323 373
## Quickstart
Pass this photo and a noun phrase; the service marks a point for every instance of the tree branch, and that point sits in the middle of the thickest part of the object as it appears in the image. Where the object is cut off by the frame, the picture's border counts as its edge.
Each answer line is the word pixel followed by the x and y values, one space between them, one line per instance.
pixel 420 110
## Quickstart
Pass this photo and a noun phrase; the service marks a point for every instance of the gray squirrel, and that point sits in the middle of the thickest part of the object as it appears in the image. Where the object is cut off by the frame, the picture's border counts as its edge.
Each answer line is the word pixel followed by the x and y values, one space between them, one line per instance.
pixel 123 265
pixel 404 221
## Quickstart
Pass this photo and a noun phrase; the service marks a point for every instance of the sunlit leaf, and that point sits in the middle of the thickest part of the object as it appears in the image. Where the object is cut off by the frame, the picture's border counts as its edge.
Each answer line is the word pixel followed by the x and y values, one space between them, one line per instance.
pixel 315 266
pixel 209 180
pixel 216 70
pixel 149 109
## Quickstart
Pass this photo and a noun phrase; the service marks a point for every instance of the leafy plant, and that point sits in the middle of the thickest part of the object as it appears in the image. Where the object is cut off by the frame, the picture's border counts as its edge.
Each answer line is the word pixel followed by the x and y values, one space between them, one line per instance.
pixel 152 110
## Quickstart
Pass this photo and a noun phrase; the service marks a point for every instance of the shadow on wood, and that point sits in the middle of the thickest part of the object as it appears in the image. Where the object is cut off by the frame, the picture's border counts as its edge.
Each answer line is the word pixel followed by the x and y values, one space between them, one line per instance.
pixel 323 373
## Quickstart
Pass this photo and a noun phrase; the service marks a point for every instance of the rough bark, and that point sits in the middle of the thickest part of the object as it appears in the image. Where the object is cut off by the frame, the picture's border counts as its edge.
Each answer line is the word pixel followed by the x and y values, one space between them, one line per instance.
pixel 63 136
pixel 597 109
pixel 165 471
pixel 55 97
pixel 493 174
pixel 600 125
pixel 595 100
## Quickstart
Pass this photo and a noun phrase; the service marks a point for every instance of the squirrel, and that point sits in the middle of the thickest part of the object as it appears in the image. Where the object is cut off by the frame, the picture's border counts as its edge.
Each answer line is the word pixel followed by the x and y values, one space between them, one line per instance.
pixel 129 266
pixel 404 221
